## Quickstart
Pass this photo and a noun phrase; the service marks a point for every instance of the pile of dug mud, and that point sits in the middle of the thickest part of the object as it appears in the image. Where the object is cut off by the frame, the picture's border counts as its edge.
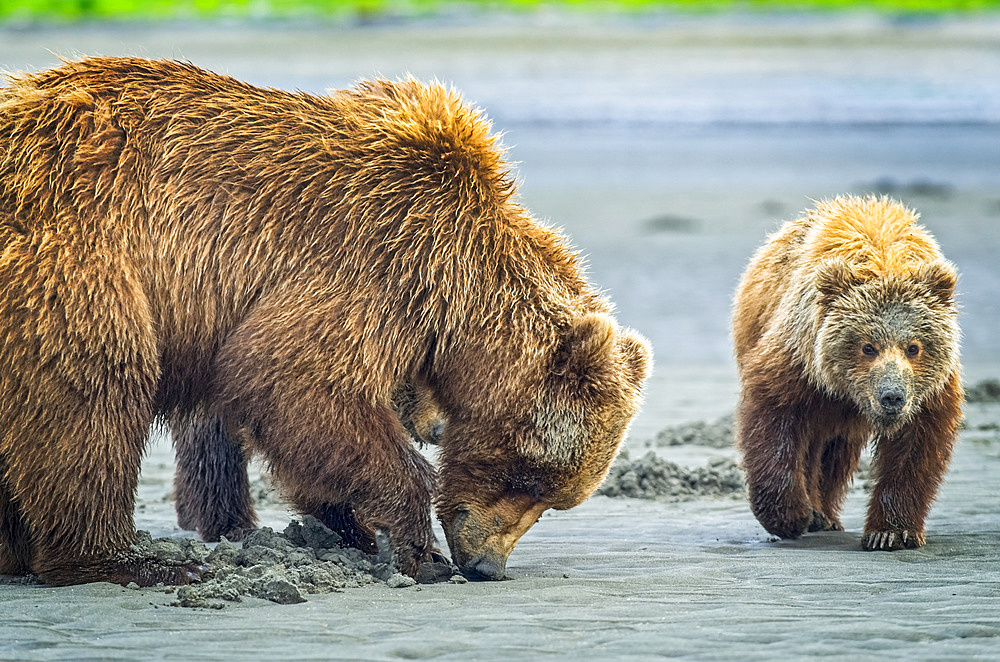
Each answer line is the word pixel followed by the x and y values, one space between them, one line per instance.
pixel 652 477
pixel 716 434
pixel 306 558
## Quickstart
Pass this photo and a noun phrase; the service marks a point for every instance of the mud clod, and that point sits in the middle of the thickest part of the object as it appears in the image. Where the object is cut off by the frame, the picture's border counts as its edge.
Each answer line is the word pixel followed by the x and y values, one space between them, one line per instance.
pixel 400 581
pixel 283 568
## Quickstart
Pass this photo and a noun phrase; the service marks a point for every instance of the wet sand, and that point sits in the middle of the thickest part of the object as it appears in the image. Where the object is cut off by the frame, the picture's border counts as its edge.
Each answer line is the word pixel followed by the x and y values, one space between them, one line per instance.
pixel 666 150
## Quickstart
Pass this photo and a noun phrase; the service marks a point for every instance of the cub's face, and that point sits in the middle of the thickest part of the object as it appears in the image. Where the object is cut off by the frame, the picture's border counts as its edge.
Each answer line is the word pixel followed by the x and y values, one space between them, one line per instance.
pixel 888 343
pixel 497 477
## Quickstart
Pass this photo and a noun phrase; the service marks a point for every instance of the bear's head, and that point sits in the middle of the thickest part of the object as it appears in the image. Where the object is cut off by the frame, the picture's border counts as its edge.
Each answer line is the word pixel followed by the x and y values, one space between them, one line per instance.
pixel 886 342
pixel 554 452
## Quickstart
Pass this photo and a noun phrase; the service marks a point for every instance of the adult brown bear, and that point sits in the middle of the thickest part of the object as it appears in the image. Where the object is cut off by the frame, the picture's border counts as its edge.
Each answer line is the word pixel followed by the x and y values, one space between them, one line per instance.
pixel 176 242
pixel 846 329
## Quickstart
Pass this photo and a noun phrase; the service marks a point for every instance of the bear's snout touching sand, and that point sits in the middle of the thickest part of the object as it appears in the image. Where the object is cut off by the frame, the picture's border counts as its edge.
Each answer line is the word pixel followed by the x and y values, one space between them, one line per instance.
pixel 845 329
pixel 312 279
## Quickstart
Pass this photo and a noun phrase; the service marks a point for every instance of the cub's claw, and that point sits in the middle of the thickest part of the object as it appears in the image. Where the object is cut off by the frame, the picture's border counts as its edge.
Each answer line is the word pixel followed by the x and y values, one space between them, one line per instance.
pixel 889 541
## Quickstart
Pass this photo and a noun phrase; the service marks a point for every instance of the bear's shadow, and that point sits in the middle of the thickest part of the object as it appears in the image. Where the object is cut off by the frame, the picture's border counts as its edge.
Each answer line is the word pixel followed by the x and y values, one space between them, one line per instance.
pixel 836 541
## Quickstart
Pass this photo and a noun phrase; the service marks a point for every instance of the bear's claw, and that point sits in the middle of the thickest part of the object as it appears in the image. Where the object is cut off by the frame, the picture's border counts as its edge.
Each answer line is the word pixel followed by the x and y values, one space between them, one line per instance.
pixel 891 540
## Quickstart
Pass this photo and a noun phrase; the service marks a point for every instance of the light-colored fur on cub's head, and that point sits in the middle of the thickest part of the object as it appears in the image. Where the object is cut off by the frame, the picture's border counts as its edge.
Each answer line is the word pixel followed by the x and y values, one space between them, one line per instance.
pixel 885 314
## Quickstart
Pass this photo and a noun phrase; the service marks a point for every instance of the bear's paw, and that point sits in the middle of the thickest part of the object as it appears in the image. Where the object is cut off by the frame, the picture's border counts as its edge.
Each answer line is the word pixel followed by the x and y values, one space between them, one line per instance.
pixel 891 540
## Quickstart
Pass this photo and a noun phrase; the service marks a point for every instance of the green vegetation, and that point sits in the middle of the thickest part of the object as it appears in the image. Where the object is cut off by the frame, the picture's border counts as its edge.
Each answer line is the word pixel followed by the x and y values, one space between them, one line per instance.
pixel 69 10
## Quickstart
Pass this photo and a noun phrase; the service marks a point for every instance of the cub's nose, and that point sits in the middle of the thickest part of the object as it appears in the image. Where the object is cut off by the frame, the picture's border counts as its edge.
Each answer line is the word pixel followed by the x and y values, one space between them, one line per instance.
pixel 892 399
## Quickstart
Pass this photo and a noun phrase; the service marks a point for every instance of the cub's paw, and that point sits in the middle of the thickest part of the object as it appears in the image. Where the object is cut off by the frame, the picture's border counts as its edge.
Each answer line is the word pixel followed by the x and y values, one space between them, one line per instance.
pixel 889 541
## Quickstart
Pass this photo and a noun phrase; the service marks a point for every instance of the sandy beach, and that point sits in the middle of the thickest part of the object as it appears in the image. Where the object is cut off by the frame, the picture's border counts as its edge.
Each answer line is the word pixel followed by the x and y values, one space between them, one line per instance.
pixel 666 149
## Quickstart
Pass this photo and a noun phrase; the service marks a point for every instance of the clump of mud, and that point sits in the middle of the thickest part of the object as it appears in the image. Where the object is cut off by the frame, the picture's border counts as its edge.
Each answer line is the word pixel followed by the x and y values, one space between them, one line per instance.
pixel 717 434
pixel 652 477
pixel 306 558
pixel 986 391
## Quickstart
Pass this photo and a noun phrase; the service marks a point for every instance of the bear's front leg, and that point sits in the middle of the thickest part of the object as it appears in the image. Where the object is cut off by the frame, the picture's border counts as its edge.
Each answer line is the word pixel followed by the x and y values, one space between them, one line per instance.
pixel 357 455
pixel 773 460
pixel 909 467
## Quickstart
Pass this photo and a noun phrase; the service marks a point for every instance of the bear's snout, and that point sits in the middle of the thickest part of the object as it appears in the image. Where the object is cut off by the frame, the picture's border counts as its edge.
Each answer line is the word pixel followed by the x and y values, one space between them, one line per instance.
pixel 892 398
pixel 891 391
pixel 489 567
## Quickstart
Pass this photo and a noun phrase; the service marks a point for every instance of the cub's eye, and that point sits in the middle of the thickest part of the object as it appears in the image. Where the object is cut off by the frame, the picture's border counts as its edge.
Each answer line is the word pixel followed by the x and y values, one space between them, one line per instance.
pixel 913 349
pixel 869 350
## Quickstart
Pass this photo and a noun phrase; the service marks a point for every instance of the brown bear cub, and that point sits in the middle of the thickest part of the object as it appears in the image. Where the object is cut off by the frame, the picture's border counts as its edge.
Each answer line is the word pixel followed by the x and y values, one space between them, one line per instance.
pixel 272 269
pixel 845 330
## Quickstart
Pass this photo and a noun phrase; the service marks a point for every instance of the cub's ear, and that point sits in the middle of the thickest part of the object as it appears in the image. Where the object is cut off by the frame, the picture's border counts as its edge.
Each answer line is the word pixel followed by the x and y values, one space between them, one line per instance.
pixel 834 277
pixel 586 345
pixel 637 355
pixel 940 278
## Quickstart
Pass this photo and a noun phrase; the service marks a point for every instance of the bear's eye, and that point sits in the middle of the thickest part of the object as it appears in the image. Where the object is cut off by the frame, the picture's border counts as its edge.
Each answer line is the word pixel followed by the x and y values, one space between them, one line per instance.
pixel 913 349
pixel 869 350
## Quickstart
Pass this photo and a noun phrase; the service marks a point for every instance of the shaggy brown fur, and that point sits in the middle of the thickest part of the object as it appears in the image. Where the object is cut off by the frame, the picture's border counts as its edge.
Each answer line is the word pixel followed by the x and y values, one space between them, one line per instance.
pixel 177 243
pixel 845 330
pixel 212 488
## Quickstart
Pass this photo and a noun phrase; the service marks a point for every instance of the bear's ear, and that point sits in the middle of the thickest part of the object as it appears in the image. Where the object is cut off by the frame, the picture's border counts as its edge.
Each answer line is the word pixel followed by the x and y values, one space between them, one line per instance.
pixel 636 354
pixel 834 277
pixel 940 278
pixel 587 343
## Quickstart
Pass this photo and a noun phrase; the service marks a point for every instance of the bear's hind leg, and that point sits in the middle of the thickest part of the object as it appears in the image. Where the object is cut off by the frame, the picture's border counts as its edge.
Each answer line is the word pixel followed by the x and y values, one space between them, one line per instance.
pixel 75 482
pixel 813 471
pixel 839 462
pixel 211 486
pixel 78 371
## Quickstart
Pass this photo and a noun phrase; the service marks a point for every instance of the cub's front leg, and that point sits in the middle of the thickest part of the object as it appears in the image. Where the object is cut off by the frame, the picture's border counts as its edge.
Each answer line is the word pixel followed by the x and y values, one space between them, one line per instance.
pixel 909 467
pixel 773 459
